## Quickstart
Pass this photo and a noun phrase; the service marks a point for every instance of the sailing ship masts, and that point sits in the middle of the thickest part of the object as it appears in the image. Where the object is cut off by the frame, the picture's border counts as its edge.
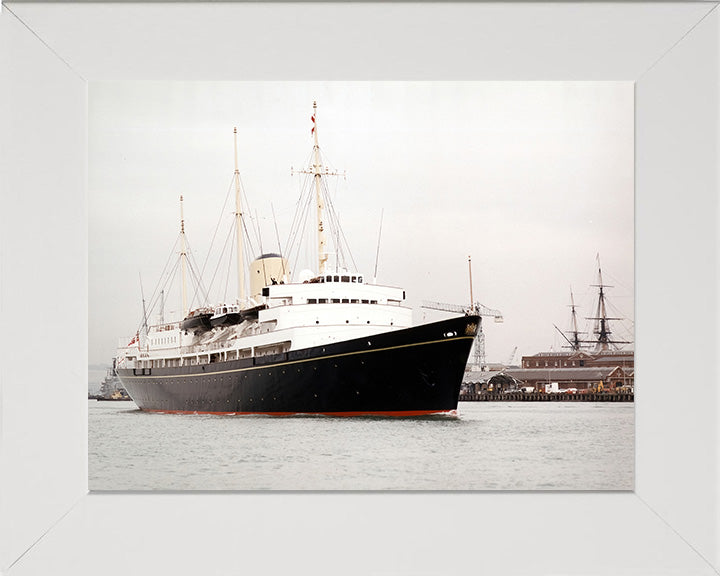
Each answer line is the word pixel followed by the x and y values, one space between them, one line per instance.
pixel 320 204
pixel 601 327
pixel 239 230
pixel 183 259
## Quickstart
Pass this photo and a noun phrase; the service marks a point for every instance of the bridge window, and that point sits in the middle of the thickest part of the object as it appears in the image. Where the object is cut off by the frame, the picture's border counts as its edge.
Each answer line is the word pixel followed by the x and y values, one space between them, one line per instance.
pixel 336 278
pixel 312 300
pixel 322 301
pixel 345 279
pixel 336 300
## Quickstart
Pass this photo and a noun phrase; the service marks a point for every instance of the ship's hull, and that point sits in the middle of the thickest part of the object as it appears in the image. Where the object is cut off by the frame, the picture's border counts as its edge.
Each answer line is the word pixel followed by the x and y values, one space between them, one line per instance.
pixel 406 372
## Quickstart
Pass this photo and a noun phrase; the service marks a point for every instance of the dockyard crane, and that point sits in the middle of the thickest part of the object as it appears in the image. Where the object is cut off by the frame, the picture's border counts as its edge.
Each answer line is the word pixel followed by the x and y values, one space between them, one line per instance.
pixel 475 308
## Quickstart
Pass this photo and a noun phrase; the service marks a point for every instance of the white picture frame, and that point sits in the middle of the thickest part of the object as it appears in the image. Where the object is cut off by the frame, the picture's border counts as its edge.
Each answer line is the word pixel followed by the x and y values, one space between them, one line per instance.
pixel 48 521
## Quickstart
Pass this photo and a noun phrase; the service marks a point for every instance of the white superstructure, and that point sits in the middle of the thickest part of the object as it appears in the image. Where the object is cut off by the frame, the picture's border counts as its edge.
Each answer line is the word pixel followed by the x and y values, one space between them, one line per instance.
pixel 324 310
pixel 279 316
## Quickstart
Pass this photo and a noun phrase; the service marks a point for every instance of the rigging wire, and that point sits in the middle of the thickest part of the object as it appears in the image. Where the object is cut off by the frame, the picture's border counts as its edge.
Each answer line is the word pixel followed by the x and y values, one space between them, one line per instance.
pixel 342 234
pixel 232 238
pixel 277 237
pixel 301 228
pixel 169 278
pixel 217 226
pixel 298 223
pixel 220 258
pixel 199 287
pixel 155 294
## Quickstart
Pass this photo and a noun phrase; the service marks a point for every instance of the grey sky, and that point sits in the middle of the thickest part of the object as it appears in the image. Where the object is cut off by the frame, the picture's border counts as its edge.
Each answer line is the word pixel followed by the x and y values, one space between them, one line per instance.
pixel 530 178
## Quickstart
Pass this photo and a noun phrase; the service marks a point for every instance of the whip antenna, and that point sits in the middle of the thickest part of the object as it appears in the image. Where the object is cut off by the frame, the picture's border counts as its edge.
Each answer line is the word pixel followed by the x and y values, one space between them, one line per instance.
pixel 377 252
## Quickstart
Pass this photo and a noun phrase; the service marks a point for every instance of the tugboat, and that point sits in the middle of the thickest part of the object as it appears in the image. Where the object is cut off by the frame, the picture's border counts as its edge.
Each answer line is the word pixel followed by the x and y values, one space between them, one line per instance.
pixel 328 342
pixel 110 387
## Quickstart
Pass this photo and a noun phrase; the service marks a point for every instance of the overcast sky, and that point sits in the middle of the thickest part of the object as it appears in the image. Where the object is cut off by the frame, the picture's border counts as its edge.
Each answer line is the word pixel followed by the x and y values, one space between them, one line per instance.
pixel 531 179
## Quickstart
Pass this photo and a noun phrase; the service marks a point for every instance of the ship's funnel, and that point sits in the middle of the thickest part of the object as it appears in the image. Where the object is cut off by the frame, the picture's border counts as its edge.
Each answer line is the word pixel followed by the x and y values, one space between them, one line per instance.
pixel 266 270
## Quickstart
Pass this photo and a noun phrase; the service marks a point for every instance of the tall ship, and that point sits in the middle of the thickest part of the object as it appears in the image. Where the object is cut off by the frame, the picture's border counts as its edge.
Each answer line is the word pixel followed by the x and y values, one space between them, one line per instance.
pixel 328 342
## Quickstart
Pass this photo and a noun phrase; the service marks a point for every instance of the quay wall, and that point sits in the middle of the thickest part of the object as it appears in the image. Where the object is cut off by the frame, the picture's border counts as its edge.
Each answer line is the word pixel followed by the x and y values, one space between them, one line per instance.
pixel 544 397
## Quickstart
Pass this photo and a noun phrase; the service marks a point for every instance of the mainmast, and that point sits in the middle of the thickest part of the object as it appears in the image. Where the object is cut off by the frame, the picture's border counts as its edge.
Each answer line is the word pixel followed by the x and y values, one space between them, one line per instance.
pixel 320 204
pixel 602 328
pixel 183 259
pixel 239 230
pixel 602 325
pixel 317 170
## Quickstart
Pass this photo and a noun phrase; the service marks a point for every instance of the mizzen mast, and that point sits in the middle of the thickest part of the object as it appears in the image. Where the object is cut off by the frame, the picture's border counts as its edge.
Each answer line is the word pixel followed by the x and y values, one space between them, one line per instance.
pixel 575 344
pixel 239 230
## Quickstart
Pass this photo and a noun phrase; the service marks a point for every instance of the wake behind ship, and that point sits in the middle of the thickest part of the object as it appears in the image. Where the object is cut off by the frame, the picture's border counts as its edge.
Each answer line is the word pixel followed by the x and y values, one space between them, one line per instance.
pixel 327 343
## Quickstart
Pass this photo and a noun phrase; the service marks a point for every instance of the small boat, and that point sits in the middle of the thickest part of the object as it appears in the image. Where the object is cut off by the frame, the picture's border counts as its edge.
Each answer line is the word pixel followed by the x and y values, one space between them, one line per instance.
pixel 226 315
pixel 197 320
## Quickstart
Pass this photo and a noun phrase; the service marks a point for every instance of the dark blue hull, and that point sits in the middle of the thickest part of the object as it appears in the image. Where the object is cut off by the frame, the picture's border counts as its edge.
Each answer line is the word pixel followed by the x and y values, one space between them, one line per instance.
pixel 407 372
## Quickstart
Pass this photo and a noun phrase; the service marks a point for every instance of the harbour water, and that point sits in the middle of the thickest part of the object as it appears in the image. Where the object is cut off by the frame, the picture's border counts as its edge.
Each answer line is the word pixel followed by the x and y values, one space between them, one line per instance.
pixel 487 446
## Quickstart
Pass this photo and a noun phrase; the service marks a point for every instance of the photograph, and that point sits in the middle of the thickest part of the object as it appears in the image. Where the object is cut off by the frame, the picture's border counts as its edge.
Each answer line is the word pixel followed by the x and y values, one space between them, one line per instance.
pixel 410 286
